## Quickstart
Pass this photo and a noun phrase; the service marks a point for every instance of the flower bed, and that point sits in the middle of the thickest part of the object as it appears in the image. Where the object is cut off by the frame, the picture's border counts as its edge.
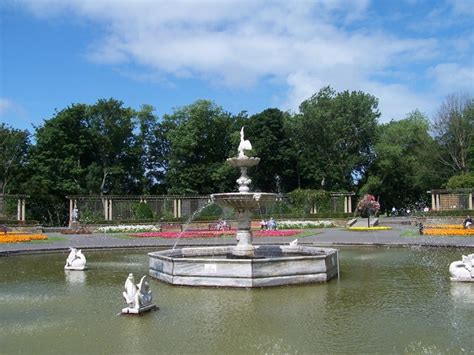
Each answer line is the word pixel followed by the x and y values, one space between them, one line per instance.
pixel 128 229
pixel 212 234
pixel 449 231
pixel 18 237
pixel 369 229
pixel 305 224
pixel 444 226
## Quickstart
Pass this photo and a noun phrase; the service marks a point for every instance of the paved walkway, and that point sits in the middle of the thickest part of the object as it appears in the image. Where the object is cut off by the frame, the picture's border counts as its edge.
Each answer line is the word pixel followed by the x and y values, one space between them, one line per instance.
pixel 400 235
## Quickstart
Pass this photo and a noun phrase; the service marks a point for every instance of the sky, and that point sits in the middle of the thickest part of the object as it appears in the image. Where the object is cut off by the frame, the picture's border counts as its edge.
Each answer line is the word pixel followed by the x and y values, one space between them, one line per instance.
pixel 243 55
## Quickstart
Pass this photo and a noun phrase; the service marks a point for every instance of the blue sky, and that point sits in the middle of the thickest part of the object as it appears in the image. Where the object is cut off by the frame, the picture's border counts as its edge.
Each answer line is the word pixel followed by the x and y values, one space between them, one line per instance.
pixel 244 55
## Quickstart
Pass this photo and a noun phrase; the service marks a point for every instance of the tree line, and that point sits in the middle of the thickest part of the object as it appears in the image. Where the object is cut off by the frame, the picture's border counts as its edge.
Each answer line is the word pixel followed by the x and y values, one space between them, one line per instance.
pixel 335 142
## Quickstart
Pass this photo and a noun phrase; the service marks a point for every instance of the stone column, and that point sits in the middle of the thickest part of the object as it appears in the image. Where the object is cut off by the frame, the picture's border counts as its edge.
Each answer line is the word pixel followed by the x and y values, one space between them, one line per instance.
pixel 106 208
pixel 470 201
pixel 23 209
pixel 110 210
pixel 349 202
pixel 18 210
pixel 346 210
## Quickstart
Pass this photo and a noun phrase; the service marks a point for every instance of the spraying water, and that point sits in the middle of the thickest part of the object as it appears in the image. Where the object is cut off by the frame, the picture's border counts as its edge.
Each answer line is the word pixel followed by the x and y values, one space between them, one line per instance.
pixel 190 219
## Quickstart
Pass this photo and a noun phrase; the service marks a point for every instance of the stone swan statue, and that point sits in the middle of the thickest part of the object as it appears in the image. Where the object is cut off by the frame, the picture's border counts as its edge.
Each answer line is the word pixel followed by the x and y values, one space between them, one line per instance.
pixel 463 270
pixel 244 144
pixel 138 297
pixel 75 260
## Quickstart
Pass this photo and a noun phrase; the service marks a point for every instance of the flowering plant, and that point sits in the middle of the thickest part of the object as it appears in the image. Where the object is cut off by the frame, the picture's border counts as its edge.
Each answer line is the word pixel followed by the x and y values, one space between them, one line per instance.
pixel 368 205
pixel 305 224
pixel 448 231
pixel 128 229
pixel 18 237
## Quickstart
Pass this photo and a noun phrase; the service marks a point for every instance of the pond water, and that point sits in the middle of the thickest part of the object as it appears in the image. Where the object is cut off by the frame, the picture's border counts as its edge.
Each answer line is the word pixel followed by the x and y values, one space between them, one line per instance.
pixel 388 300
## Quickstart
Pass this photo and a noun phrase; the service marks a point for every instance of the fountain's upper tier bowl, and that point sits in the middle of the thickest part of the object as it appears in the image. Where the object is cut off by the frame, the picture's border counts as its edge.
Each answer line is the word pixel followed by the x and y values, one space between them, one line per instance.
pixel 243 162
pixel 244 200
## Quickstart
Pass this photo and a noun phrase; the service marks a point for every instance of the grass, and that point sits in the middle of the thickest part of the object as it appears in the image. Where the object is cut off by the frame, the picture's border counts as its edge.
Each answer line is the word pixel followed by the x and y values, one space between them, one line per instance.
pixel 49 240
pixel 410 233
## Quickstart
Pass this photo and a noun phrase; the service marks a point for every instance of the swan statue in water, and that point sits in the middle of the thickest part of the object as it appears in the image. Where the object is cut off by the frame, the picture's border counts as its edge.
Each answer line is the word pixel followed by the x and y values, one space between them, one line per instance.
pixel 138 297
pixel 244 145
pixel 463 270
pixel 75 260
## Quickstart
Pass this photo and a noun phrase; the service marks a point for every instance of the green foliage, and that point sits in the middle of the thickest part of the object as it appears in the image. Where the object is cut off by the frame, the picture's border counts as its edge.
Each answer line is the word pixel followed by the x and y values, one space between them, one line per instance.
pixel 142 211
pixel 404 168
pixel 199 138
pixel 14 149
pixel 276 171
pixel 334 136
pixel 461 181
pixel 454 132
pixel 305 199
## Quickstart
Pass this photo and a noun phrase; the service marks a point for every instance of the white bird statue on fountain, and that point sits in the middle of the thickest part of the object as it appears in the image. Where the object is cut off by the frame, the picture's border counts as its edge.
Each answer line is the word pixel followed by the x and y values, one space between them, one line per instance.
pixel 244 145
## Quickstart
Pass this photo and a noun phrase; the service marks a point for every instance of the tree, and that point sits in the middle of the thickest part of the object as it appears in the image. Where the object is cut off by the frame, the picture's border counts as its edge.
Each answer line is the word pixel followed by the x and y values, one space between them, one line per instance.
pixel 200 141
pixel 404 168
pixel 84 149
pixel 118 154
pixel 333 137
pixel 453 127
pixel 266 131
pixel 461 181
pixel 14 149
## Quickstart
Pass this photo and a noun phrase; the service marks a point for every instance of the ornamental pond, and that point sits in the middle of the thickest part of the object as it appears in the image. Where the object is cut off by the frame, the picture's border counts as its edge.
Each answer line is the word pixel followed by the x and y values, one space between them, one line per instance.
pixel 388 300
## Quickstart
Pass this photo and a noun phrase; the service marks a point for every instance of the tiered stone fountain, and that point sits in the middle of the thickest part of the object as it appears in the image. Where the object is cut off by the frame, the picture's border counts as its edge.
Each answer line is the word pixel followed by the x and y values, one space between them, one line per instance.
pixel 244 265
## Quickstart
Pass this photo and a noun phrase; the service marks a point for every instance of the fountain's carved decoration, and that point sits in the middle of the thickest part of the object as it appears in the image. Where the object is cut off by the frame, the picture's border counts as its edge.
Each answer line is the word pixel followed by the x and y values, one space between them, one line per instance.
pixel 138 297
pixel 244 145
pixel 463 270
pixel 244 265
pixel 75 260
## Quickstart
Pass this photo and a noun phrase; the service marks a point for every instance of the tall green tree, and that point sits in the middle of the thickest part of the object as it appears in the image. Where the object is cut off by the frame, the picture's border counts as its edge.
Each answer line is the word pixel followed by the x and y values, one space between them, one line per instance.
pixel 453 127
pixel 199 137
pixel 404 168
pixel 14 149
pixel 267 133
pixel 118 152
pixel 334 136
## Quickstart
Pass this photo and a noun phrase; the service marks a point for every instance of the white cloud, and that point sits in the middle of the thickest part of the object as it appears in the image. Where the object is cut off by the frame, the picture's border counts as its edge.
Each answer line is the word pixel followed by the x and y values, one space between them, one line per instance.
pixel 453 76
pixel 304 44
pixel 5 105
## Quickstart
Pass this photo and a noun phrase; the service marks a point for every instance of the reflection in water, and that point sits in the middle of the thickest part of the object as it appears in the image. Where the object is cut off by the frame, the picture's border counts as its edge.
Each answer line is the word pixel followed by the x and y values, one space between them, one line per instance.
pixel 389 300
pixel 75 277
pixel 462 292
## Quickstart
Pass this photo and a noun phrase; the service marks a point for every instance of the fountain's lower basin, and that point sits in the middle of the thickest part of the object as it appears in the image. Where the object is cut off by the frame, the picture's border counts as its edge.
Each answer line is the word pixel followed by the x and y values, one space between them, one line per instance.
pixel 274 265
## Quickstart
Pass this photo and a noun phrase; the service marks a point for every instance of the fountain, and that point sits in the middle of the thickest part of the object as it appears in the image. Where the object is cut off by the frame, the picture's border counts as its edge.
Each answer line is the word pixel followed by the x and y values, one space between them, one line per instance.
pixel 244 265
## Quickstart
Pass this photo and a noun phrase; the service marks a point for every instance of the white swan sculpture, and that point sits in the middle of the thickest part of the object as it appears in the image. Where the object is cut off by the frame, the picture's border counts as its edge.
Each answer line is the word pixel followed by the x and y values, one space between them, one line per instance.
pixel 463 270
pixel 244 145
pixel 138 297
pixel 75 260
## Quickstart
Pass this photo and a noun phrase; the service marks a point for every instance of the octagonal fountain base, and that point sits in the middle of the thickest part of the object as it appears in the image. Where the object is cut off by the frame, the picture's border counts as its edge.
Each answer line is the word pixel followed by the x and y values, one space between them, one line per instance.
pixel 273 265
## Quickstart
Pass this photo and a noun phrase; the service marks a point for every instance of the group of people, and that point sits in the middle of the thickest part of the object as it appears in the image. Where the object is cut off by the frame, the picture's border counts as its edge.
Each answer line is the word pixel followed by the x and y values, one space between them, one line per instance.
pixel 271 224
pixel 222 225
